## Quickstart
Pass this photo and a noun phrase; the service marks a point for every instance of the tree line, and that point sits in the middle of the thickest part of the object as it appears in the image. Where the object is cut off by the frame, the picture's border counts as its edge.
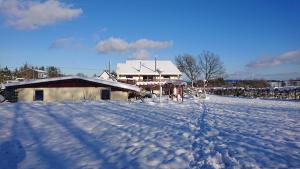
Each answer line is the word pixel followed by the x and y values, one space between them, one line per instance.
pixel 206 65
pixel 26 71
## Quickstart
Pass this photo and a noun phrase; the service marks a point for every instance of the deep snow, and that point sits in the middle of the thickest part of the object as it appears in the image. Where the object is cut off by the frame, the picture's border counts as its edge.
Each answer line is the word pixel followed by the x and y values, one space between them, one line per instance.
pixel 219 132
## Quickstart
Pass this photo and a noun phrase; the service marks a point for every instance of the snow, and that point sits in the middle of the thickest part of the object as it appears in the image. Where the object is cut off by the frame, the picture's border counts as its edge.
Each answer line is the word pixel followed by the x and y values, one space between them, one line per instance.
pixel 99 81
pixel 219 132
pixel 147 67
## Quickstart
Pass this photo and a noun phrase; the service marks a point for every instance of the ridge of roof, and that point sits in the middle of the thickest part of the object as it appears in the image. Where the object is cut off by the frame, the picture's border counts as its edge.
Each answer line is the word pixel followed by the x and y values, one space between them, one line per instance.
pixel 101 81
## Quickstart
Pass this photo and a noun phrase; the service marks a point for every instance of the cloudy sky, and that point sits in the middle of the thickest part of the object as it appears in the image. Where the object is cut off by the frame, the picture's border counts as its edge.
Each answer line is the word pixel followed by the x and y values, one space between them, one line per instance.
pixel 254 38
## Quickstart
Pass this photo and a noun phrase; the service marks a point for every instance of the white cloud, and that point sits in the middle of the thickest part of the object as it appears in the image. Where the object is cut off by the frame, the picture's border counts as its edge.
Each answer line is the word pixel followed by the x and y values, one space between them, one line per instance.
pixel 62 42
pixel 112 45
pixel 141 54
pixel 292 57
pixel 30 14
pixel 68 43
pixel 119 45
pixel 150 44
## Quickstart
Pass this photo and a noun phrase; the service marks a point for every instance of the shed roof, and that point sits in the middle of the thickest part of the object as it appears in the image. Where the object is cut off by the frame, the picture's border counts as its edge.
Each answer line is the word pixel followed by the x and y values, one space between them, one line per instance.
pixel 99 81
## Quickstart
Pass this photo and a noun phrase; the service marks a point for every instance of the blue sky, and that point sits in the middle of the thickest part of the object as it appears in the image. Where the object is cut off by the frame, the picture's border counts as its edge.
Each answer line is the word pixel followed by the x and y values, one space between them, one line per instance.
pixel 254 39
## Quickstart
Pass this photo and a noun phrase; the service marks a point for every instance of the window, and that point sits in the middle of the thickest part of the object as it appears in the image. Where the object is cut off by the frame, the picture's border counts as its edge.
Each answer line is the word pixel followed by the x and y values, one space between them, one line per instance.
pixel 166 77
pixel 150 77
pixel 129 77
pixel 105 94
pixel 147 78
pixel 39 95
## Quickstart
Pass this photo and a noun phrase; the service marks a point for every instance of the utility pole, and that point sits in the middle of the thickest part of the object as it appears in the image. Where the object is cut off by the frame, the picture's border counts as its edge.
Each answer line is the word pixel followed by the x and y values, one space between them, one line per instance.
pixel 160 88
pixel 155 65
pixel 32 73
pixel 204 85
pixel 109 69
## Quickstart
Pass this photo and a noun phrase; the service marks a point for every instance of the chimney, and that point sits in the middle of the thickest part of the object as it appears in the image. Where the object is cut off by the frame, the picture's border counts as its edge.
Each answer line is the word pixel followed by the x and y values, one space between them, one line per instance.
pixel 155 65
pixel 109 69
pixel 140 66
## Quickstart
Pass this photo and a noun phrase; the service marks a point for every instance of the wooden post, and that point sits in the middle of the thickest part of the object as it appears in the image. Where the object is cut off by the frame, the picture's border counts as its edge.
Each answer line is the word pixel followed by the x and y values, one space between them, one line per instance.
pixel 182 92
pixel 169 90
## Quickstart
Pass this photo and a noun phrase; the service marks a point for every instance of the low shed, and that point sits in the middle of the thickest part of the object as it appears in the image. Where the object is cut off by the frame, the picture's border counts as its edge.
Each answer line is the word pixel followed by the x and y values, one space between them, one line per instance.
pixel 70 88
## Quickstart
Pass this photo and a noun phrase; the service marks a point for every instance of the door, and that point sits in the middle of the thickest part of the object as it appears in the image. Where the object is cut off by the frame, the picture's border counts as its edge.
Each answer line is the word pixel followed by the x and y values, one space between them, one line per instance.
pixel 39 95
pixel 105 94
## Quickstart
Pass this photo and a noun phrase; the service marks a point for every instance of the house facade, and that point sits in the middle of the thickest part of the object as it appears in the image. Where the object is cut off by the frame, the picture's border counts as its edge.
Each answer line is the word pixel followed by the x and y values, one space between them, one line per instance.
pixel 69 88
pixel 149 74
pixel 39 74
pixel 293 83
pixel 276 83
pixel 286 83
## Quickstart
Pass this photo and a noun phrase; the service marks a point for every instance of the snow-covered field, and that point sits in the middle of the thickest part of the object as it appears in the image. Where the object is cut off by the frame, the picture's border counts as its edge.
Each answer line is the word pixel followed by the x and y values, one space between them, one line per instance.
pixel 220 132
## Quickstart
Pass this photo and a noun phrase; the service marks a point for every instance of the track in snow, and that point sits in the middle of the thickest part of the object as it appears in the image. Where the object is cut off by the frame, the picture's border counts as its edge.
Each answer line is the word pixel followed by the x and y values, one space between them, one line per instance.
pixel 221 132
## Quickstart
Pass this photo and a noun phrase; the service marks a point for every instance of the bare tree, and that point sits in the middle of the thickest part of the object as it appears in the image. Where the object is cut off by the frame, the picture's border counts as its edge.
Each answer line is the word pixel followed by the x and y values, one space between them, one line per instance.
pixel 211 66
pixel 81 75
pixel 53 71
pixel 188 65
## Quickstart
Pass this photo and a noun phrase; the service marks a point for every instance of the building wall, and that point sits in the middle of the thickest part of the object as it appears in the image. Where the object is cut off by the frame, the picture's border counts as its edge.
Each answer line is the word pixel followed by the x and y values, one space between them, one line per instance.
pixel 292 83
pixel 156 77
pixel 134 77
pixel 25 94
pixel 276 84
pixel 119 95
pixel 174 77
pixel 69 93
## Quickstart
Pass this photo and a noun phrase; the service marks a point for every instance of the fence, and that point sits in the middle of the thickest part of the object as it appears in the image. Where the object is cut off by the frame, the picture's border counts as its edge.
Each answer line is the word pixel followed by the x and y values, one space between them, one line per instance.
pixel 288 93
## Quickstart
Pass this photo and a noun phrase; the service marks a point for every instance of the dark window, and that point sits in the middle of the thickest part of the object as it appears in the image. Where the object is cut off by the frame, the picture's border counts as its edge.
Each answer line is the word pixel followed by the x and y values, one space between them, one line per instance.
pixel 105 94
pixel 129 77
pixel 39 95
pixel 166 77
pixel 150 77
pixel 147 78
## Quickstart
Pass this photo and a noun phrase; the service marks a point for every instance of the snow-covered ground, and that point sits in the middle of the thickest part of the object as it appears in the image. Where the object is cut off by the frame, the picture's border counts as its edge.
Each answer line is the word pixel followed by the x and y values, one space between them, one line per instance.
pixel 219 132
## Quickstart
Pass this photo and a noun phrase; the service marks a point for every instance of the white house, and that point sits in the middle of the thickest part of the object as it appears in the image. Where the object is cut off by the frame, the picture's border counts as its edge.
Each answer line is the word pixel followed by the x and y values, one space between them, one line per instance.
pixel 147 70
pixel 148 74
pixel 40 74
pixel 276 83
pixel 104 76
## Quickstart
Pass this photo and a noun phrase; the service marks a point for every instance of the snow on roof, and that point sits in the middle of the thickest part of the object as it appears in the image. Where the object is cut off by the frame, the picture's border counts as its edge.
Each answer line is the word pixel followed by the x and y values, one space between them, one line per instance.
pixel 104 75
pixel 38 70
pixel 100 81
pixel 147 67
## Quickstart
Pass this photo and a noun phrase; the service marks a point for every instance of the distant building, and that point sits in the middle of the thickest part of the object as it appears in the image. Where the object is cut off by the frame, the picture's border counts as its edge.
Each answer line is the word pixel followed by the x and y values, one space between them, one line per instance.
pixel 292 83
pixel 276 83
pixel 104 76
pixel 149 74
pixel 29 73
pixel 67 88
pixel 39 74
pixel 231 82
